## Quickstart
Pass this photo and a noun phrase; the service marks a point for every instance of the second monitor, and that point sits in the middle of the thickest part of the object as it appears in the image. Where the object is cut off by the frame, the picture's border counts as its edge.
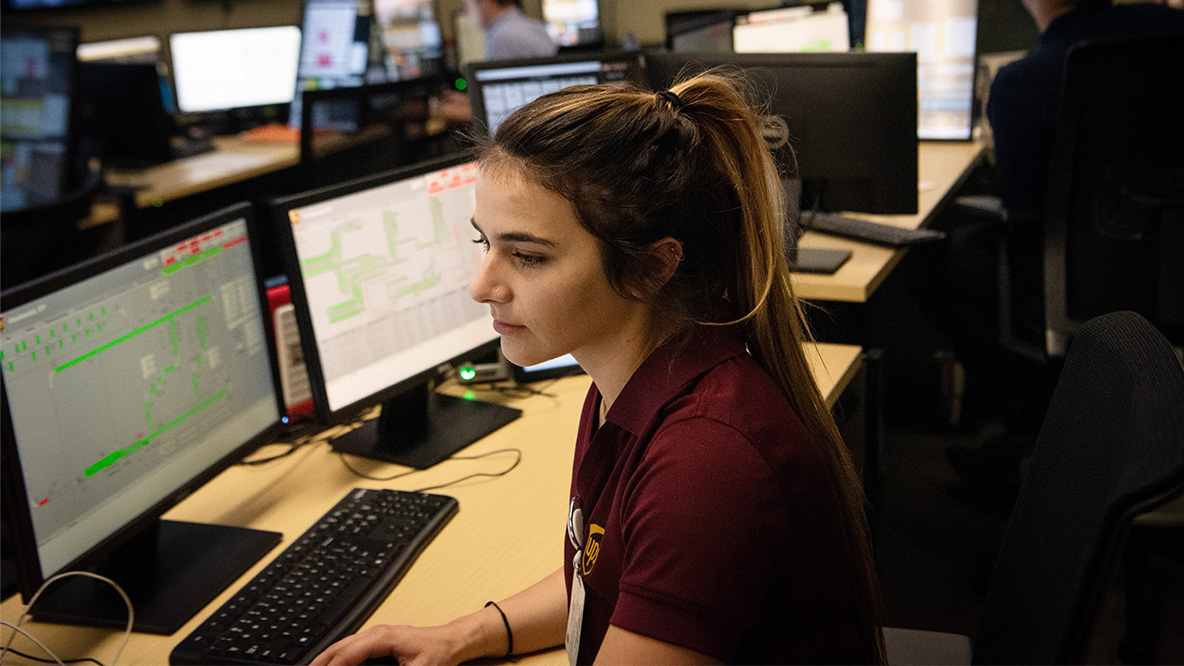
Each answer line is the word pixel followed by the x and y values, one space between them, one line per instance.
pixel 380 270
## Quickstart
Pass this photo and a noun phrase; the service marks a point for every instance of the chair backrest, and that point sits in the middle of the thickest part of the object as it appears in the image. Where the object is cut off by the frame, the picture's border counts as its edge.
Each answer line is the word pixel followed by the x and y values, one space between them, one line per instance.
pixel 1114 234
pixel 1112 446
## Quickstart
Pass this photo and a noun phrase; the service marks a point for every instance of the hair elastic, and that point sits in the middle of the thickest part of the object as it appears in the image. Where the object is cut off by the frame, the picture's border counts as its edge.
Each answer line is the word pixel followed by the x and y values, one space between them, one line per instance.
pixel 669 96
pixel 509 634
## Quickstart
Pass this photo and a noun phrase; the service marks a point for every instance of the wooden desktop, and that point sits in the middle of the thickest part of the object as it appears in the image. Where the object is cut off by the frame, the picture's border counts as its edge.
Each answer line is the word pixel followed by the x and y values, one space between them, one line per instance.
pixel 508 534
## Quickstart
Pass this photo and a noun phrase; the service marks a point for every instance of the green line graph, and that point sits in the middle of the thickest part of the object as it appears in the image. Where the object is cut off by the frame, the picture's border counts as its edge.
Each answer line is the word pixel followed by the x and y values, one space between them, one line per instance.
pixel 124 338
pixel 139 444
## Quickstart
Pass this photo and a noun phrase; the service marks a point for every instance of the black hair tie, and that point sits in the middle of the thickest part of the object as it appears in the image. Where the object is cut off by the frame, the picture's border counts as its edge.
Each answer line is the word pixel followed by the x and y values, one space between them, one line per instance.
pixel 674 99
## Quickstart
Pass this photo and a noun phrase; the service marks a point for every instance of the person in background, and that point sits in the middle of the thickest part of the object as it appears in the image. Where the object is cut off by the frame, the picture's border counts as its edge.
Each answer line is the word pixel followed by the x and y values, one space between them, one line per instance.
pixel 715 516
pixel 1022 109
pixel 510 34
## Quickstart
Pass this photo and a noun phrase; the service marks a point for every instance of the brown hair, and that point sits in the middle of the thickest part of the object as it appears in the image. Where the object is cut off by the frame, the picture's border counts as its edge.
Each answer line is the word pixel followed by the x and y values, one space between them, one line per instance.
pixel 639 167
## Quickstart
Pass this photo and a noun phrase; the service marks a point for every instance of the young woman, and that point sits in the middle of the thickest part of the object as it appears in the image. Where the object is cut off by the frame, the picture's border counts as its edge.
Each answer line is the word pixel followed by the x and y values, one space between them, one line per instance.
pixel 716 516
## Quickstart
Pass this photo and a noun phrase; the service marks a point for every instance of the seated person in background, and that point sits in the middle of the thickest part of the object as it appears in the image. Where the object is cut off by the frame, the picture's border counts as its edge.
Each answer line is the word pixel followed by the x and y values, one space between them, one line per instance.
pixel 716 515
pixel 509 33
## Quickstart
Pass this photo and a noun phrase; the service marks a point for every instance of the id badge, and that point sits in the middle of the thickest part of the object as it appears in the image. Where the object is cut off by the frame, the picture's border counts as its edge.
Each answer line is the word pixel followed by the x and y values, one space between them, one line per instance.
pixel 575 616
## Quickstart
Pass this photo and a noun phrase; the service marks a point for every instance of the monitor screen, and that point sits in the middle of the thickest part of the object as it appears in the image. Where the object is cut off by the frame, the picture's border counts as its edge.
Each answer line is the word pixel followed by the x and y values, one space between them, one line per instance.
pixel 37 80
pixel 942 34
pixel 336 42
pixel 130 380
pixel 498 88
pixel 573 22
pixel 230 69
pixel 710 33
pixel 793 29
pixel 849 119
pixel 411 38
pixel 132 49
pixel 379 272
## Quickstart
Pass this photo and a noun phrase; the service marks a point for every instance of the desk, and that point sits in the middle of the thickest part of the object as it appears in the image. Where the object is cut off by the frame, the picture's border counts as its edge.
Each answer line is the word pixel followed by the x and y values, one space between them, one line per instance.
pixel 233 160
pixel 942 168
pixel 508 534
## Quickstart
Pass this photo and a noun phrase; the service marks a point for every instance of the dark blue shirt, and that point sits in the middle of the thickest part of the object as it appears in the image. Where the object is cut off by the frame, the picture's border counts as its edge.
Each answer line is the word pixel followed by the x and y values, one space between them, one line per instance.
pixel 1025 95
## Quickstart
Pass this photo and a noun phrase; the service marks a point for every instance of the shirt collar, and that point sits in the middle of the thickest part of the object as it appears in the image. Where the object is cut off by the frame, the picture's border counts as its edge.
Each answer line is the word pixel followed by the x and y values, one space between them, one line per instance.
pixel 678 361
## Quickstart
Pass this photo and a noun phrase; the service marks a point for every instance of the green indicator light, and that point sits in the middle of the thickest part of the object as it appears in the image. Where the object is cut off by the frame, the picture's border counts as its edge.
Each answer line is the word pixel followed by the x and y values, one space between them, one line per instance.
pixel 467 372
pixel 469 395
pixel 158 202
pixel 461 84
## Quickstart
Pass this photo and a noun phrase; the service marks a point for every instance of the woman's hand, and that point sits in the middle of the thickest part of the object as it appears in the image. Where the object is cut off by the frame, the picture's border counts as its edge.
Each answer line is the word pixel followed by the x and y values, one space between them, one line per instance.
pixel 411 646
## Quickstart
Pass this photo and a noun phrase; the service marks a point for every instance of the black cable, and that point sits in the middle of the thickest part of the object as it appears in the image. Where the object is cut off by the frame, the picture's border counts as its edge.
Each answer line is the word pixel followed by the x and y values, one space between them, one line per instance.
pixel 517 460
pixel 50 661
pixel 345 461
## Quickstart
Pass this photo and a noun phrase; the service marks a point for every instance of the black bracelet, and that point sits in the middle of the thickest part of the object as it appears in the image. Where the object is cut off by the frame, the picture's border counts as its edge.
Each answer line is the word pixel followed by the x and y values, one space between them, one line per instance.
pixel 509 634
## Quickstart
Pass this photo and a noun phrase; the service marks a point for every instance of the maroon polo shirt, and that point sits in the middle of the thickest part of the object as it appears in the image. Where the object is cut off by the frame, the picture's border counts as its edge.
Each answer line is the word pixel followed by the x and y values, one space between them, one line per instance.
pixel 715 521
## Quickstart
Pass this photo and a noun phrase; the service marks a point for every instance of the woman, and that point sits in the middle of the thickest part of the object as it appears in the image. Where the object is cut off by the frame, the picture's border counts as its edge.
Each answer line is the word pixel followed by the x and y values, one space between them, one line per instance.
pixel 716 516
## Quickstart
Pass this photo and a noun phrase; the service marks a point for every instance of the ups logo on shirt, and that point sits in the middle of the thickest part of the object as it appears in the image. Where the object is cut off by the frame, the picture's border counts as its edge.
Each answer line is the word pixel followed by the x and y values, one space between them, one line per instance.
pixel 592 549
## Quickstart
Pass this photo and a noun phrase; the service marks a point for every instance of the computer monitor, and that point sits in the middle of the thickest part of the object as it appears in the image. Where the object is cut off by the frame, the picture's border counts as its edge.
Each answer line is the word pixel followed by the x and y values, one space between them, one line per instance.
pixel 128 382
pixel 811 27
pixel 704 32
pixel 942 34
pixel 411 38
pixel 573 22
pixel 498 88
pixel 379 270
pixel 229 69
pixel 38 69
pixel 849 119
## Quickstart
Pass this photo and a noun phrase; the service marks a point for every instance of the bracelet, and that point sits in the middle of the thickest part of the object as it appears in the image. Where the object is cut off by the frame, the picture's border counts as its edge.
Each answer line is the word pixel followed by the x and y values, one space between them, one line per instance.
pixel 509 634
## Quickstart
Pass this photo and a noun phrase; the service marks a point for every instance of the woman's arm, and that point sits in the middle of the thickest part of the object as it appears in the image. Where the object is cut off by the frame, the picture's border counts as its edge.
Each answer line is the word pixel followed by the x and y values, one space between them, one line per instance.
pixel 537 616
pixel 625 647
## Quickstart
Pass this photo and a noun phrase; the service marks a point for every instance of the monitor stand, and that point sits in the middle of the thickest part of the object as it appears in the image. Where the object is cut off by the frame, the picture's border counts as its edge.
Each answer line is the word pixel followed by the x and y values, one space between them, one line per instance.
pixel 420 428
pixel 170 572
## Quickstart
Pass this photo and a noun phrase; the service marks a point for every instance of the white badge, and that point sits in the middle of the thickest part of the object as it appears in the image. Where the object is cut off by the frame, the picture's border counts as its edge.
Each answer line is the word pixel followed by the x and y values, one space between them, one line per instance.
pixel 575 614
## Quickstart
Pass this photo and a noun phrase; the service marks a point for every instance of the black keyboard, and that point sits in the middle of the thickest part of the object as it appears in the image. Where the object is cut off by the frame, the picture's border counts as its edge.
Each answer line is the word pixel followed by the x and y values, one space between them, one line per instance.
pixel 323 586
pixel 868 232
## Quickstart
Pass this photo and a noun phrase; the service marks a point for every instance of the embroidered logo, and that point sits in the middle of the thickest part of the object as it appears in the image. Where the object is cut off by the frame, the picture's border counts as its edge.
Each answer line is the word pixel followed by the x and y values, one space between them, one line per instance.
pixel 591 549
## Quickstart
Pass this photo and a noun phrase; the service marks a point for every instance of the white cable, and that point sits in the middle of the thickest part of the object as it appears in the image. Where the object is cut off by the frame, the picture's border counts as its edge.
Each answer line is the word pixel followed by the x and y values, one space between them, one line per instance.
pixel 17 630
pixel 131 615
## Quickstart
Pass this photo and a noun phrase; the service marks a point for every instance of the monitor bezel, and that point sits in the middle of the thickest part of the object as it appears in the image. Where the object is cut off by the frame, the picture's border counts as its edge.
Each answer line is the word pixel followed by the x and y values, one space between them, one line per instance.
pixel 476 98
pixel 312 358
pixel 29 572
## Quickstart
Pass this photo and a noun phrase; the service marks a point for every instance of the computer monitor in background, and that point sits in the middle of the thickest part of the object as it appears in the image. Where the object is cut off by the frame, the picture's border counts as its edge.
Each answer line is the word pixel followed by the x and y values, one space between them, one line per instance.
pixel 942 33
pixel 498 88
pixel 701 32
pixel 126 108
pixel 810 27
pixel 849 119
pixel 38 71
pixel 129 381
pixel 230 69
pixel 335 47
pixel 573 23
pixel 379 271
pixel 411 38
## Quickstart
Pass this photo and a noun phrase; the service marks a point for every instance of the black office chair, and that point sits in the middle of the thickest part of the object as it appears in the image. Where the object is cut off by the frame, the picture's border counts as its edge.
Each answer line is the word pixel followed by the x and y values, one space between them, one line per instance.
pixel 41 239
pixel 1114 221
pixel 1111 447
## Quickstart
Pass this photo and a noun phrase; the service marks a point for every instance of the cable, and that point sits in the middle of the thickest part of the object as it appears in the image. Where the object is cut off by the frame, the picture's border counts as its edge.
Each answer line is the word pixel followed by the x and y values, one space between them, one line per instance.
pixel 50 661
pixel 345 461
pixel 131 614
pixel 517 460
pixel 17 630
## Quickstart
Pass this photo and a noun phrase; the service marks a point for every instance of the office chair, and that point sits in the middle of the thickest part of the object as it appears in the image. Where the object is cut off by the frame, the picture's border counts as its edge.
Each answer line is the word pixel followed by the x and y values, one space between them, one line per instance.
pixel 41 239
pixel 1114 221
pixel 1111 447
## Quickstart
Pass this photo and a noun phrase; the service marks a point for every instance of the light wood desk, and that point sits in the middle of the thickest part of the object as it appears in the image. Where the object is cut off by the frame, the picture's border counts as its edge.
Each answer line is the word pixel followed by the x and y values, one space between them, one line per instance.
pixel 508 534
pixel 942 168
pixel 233 160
